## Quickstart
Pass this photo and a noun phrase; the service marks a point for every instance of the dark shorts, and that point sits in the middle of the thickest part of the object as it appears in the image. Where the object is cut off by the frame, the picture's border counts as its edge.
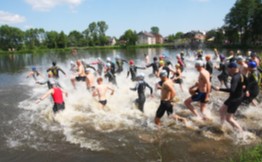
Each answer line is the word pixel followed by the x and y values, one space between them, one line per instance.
pixel 103 102
pixel 80 78
pixel 233 104
pixel 58 107
pixel 199 96
pixel 178 81
pixel 164 106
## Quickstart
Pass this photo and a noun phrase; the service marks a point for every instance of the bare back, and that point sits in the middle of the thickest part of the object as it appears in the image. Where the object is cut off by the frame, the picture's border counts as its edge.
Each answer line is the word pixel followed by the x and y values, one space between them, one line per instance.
pixel 101 92
pixel 203 81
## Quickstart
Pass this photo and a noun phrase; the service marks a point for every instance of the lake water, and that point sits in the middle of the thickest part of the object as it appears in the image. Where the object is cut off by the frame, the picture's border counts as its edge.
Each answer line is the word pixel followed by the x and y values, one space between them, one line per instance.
pixel 83 132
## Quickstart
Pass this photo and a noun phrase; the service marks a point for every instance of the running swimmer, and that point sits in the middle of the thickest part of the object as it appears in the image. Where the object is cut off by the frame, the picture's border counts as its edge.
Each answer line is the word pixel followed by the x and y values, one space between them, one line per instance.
pixel 90 80
pixel 177 76
pixel 140 88
pixel 57 95
pixel 133 70
pixel 167 95
pixel 236 95
pixel 101 91
pixel 155 67
pixel 34 73
pixel 202 89
pixel 80 75
pixel 223 76
pixel 119 63
pixel 209 66
pixel 55 70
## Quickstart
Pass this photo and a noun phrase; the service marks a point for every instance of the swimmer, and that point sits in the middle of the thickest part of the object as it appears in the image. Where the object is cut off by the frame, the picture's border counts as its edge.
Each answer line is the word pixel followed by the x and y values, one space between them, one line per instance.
pixel 101 91
pixel 57 95
pixel 203 87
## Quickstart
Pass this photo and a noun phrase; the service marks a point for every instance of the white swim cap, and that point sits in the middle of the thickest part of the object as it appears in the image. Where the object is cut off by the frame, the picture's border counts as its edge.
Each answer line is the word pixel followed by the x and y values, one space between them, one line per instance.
pixel 199 63
pixel 108 59
pixel 163 73
pixel 141 76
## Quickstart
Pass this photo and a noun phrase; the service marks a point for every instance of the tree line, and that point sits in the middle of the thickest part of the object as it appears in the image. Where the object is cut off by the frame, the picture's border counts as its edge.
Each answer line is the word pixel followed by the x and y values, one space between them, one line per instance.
pixel 243 25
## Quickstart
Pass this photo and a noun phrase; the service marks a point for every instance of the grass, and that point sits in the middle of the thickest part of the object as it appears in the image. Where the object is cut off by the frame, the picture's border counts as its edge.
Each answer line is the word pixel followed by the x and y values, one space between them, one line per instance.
pixel 253 154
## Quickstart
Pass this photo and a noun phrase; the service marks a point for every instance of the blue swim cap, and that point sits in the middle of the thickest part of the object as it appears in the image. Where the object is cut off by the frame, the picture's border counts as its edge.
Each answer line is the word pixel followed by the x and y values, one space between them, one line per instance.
pixel 252 64
pixel 33 68
pixel 232 65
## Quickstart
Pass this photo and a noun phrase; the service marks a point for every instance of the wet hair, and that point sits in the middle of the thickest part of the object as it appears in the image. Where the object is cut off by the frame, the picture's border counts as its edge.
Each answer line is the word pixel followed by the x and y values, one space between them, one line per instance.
pixel 54 63
pixel 100 79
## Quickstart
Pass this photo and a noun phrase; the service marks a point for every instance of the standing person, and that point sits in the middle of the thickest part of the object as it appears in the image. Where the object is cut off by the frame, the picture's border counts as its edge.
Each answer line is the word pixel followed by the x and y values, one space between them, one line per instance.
pixel 180 62
pixel 254 57
pixel 119 64
pixel 231 57
pixel 253 83
pixel 101 91
pixel 223 76
pixel 140 88
pixel 80 75
pixel 203 88
pixel 133 70
pixel 155 66
pixel 167 95
pixel 209 65
pixel 236 95
pixel 55 70
pixel 146 58
pixel 57 95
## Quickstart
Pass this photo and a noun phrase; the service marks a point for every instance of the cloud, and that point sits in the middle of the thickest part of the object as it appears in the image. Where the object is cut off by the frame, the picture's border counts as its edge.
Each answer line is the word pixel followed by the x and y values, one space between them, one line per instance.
pixel 10 18
pixel 46 5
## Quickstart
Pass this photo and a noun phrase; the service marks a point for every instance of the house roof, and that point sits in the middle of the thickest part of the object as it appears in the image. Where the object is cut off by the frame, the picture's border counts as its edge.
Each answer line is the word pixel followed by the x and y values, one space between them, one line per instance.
pixel 146 34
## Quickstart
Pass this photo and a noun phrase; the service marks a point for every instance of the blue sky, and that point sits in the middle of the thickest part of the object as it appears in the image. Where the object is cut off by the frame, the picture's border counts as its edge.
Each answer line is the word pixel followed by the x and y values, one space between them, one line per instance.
pixel 170 16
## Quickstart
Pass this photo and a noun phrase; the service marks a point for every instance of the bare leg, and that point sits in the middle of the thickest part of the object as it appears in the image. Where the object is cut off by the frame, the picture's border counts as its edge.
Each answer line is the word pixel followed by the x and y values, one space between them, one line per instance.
pixel 202 110
pixel 180 118
pixel 233 122
pixel 73 82
pixel 157 121
pixel 188 102
pixel 222 112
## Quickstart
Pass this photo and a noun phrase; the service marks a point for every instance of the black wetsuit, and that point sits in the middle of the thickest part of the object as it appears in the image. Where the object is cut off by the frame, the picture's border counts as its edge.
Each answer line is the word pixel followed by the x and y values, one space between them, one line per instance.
pixel 100 66
pixel 55 71
pixel 236 92
pixel 209 68
pixel 253 80
pixel 112 67
pixel 133 70
pixel 224 75
pixel 111 77
pixel 140 87
pixel 119 64
pixel 154 66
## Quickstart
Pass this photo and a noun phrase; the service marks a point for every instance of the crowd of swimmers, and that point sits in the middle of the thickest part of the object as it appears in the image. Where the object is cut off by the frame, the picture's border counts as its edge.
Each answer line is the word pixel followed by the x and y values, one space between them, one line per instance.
pixel 240 76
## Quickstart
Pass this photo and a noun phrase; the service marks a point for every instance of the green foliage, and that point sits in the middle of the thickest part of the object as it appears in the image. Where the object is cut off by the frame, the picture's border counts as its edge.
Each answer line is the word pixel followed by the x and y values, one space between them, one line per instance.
pixel 11 37
pixel 251 155
pixel 154 30
pixel 129 37
pixel 243 23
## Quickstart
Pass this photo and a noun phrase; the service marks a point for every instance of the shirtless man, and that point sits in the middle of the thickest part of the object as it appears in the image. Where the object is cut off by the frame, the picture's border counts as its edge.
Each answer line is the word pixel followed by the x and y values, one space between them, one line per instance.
pixel 90 80
pixel 100 91
pixel 202 90
pixel 34 73
pixel 243 67
pixel 80 75
pixel 167 95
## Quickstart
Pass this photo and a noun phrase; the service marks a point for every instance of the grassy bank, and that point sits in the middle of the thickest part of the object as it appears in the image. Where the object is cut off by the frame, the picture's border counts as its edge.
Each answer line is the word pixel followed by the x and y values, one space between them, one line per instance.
pixel 68 49
pixel 253 154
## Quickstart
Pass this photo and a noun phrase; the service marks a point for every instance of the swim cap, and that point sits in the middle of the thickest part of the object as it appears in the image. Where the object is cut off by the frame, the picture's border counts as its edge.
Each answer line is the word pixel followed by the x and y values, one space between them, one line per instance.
pixel 252 64
pixel 141 76
pixel 161 62
pixel 33 68
pixel 239 58
pixel 199 63
pixel 208 57
pixel 161 56
pixel 54 63
pixel 108 59
pixel 72 63
pixel 88 70
pixel 108 65
pixel 131 62
pixel 52 81
pixel 222 57
pixel 117 57
pixel 253 54
pixel 163 73
pixel 177 65
pixel 232 65
pixel 155 58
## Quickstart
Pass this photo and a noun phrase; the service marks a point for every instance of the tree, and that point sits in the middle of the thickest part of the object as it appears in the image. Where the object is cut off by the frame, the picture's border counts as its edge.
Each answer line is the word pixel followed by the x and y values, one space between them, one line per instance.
pixel 11 37
pixel 154 30
pixel 62 40
pixel 51 39
pixel 75 39
pixel 130 37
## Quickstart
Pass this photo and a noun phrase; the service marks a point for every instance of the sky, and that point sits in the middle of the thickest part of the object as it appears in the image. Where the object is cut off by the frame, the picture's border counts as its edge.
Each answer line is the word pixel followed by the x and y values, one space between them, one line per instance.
pixel 170 16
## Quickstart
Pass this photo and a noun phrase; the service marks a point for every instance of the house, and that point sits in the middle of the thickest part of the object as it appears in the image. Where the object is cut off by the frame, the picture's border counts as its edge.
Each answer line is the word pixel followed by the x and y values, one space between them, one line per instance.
pixel 159 39
pixel 111 41
pixel 146 38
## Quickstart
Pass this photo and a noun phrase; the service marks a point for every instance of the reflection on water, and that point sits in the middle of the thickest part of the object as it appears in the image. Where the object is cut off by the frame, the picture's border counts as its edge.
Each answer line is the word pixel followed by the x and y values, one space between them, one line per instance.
pixel 121 134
